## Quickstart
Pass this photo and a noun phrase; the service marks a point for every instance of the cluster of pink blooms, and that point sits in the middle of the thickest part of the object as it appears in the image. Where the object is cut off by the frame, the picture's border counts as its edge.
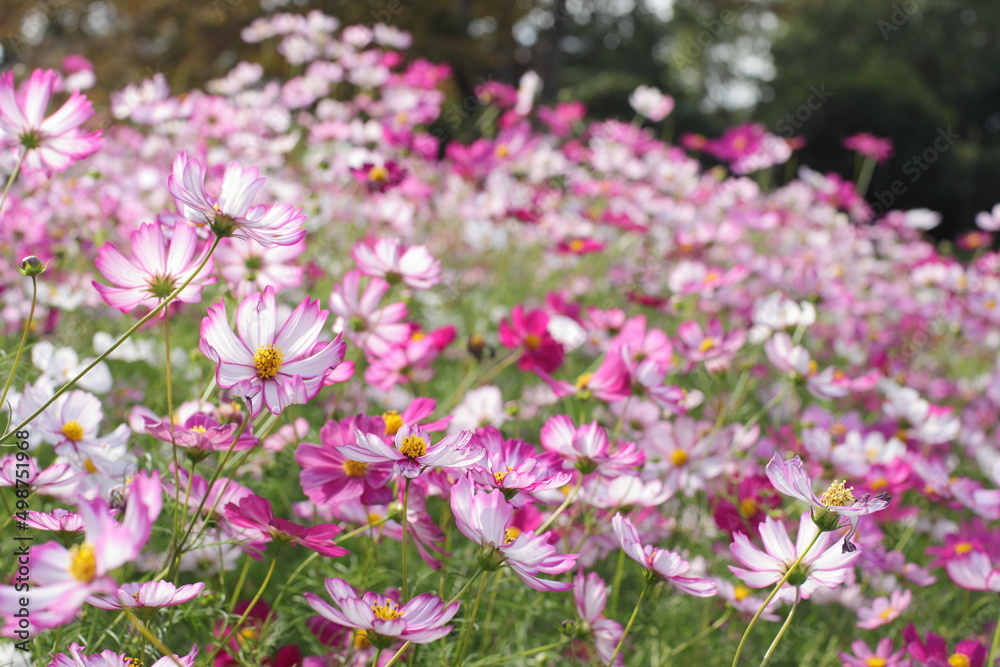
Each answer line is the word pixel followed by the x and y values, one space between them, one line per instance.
pixel 697 353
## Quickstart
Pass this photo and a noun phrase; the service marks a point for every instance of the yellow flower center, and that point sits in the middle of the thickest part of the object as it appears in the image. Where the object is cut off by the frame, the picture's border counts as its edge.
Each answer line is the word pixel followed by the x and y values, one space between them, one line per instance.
pixel 387 612
pixel 82 563
pixel 713 277
pixel 198 429
pixel 879 483
pixel 374 518
pixel 963 548
pixel 741 592
pixel 502 150
pixel 678 457
pixel 532 342
pixel 511 534
pixel 838 496
pixel 378 174
pixel 875 661
pixel 361 640
pixel 498 476
pixel 576 245
pixel 89 466
pixel 583 380
pixel 886 614
pixel 959 660
pixel 268 360
pixel 748 507
pixel 418 335
pixel 706 345
pixel 393 422
pixel 838 429
pixel 73 430
pixel 813 367
pixel 413 446
pixel 133 662
pixel 355 468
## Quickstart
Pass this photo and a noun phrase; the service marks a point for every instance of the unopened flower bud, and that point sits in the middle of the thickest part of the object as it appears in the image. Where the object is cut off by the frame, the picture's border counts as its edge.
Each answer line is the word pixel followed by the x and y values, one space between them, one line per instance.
pixel 31 266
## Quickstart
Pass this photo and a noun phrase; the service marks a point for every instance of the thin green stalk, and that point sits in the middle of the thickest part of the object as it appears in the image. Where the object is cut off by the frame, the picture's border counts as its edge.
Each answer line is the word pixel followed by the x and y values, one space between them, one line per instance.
pixel 405 521
pixel 239 584
pixel 378 654
pixel 20 347
pixel 12 178
pixel 995 646
pixel 559 510
pixel 151 638
pixel 168 377
pixel 236 626
pixel 104 355
pixel 865 177
pixel 781 632
pixel 774 591
pixel 472 621
pixel 635 613
pixel 701 635
pixel 616 587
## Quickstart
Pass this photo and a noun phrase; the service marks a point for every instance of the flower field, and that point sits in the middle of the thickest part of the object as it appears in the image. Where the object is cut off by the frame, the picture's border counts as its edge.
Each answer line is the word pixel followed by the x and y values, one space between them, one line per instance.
pixel 291 377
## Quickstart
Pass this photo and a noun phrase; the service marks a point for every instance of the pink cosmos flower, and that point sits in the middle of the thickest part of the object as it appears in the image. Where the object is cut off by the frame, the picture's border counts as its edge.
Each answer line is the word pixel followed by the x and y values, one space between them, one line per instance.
pixel 148 596
pixel 59 479
pixel 588 448
pixel 870 146
pixel 651 103
pixel 108 658
pixel 883 655
pixel 157 269
pixel 790 478
pixel 660 562
pixel 247 267
pixel 974 571
pixel 411 360
pixel 529 331
pixel 232 212
pixel 386 258
pixel 255 513
pixel 328 477
pixel 421 620
pixel 710 345
pixel 884 610
pixel 824 565
pixel 591 595
pixel 515 467
pixel 269 366
pixel 488 520
pixel 48 144
pixel 379 177
pixel 363 319
pixel 934 653
pixel 200 433
pixel 412 451
pixel 58 520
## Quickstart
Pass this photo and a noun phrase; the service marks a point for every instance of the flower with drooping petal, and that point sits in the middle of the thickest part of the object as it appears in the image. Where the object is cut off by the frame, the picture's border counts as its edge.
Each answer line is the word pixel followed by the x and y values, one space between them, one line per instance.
pixel 412 451
pixel 420 621
pixel 232 212
pixel 660 562
pixel 157 268
pixel 47 144
pixel 255 513
pixel 108 658
pixel 385 258
pixel 149 595
pixel 790 478
pixel 824 565
pixel 269 366
pixel 487 520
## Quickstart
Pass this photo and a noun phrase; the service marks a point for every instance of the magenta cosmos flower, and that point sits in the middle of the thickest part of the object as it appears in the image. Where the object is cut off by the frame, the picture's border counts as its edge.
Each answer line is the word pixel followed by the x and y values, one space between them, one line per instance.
pixel 968 653
pixel 666 564
pixel 47 144
pixel 487 519
pixel 790 478
pixel 156 269
pixel 148 596
pixel 269 366
pixel 421 620
pixel 232 212
pixel 412 452
pixel 530 332
pixel 255 513
pixel 76 658
pixel 824 565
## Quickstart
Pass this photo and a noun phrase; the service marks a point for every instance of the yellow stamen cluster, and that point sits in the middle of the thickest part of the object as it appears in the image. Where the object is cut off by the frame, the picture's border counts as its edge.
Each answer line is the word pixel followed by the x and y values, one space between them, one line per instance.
pixel 498 476
pixel 576 245
pixel 583 380
pixel 532 342
pixel 199 429
pixel 73 430
pixel 838 496
pixel 89 466
pixel 748 507
pixel 959 660
pixel 963 548
pixel 268 360
pixel 387 612
pixel 413 446
pixel 355 468
pixel 133 662
pixel 83 563
pixel 511 534
pixel 706 345
pixel 876 661
pixel 678 457
pixel 741 592
pixel 378 174
pixel 393 422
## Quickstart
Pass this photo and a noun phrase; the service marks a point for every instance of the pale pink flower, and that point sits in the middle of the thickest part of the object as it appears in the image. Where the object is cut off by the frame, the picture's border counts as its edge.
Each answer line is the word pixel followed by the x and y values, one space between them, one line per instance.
pixel 588 448
pixel 974 571
pixel 149 595
pixel 884 610
pixel 248 267
pixel 157 268
pixel 591 595
pixel 108 658
pixel 386 258
pixel 48 144
pixel 412 451
pixel 232 212
pixel 651 103
pixel 266 365
pixel 661 562
pixel 883 655
pixel 363 319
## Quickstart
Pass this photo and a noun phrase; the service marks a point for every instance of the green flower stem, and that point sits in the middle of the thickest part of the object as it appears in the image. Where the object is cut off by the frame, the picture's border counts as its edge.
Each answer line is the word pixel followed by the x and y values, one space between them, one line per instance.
pixel 472 620
pixel 150 637
pixel 994 646
pixel 239 585
pixel 404 520
pixel 378 654
pixel 559 510
pixel 12 178
pixel 20 347
pixel 701 635
pixel 616 587
pixel 104 355
pixel 865 177
pixel 774 591
pixel 170 418
pixel 635 613
pixel 781 632
pixel 236 626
